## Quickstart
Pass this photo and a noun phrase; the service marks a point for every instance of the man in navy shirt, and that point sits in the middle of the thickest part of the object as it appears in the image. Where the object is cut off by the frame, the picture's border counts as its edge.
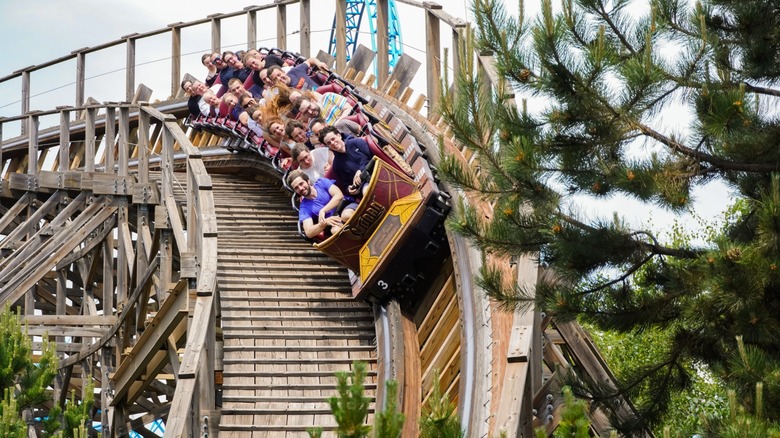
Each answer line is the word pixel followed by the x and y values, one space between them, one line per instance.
pixel 350 158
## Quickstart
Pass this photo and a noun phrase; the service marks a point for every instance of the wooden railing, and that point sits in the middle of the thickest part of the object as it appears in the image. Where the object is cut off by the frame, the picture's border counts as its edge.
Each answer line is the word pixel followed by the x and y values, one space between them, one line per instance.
pixel 94 157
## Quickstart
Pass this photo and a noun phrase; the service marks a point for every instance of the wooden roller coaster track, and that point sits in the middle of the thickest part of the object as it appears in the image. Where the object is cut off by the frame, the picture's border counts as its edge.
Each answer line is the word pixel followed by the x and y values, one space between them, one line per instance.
pixel 169 273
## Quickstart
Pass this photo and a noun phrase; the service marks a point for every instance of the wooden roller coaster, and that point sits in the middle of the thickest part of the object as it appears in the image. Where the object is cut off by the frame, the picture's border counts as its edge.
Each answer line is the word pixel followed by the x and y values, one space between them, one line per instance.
pixel 169 272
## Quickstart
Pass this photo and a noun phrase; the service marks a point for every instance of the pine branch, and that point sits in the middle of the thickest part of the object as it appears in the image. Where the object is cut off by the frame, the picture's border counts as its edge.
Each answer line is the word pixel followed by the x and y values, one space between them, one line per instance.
pixel 615 30
pixel 762 90
pixel 721 164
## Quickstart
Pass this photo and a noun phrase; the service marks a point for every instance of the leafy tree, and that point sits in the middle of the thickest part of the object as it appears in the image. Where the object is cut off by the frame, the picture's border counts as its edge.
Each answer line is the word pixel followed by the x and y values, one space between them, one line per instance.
pixel 603 75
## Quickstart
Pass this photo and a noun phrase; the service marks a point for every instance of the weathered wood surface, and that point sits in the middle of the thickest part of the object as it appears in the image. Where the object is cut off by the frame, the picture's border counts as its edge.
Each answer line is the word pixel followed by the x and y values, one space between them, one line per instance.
pixel 289 322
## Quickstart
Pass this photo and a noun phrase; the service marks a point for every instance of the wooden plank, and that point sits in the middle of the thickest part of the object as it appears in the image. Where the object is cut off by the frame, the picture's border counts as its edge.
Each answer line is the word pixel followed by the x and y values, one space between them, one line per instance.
pixel 404 71
pixel 197 338
pixel 433 61
pixel 12 214
pixel 25 128
pixel 176 90
pixel 281 25
pixel 362 58
pixel 142 94
pixel 81 70
pixel 109 151
pixel 90 332
pixel 593 364
pixel 341 34
pixel 130 69
pixel 32 148
pixel 124 141
pixel 69 320
pixel 305 25
pixel 519 343
pixel 155 334
pixel 382 39
pixel 64 152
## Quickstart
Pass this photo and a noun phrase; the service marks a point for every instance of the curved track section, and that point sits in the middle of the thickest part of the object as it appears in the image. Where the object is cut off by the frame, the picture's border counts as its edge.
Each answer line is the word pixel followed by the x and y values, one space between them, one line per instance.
pixel 289 320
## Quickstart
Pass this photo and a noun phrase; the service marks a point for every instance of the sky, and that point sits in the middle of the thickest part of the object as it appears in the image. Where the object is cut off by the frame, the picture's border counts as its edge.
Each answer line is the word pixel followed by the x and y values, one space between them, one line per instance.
pixel 36 31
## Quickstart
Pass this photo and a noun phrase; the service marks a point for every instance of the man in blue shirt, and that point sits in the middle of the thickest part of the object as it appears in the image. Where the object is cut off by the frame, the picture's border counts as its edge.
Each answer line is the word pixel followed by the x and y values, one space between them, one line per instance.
pixel 319 201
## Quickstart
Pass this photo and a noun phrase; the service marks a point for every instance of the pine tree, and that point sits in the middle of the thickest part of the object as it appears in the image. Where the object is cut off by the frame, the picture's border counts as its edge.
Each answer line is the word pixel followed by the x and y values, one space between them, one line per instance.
pixel 602 75
pixel 574 419
pixel 439 419
pixel 389 423
pixel 350 406
pixel 26 384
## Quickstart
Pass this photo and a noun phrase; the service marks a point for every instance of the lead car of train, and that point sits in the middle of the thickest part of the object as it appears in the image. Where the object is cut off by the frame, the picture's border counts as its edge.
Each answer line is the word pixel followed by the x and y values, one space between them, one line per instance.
pixel 395 239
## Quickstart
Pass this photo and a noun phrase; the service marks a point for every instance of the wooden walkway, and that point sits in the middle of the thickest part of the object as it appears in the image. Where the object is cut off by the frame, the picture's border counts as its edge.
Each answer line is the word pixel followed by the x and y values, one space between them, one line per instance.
pixel 289 321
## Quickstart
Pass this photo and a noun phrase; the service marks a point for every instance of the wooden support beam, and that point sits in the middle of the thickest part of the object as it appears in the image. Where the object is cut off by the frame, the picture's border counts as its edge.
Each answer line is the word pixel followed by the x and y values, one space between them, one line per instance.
pixel 69 320
pixel 176 90
pixel 216 33
pixel 142 154
pixel 12 214
pixel 124 140
pixel 32 147
pixel 157 364
pixel 25 98
pixel 305 25
pixel 130 70
pixel 64 149
pixel 172 312
pixel 196 340
pixel 341 34
pixel 382 40
pixel 81 71
pixel 110 140
pixel 93 242
pixel 186 386
pixel 251 28
pixel 433 61
pixel 89 139
pixel 516 391
pixel 281 25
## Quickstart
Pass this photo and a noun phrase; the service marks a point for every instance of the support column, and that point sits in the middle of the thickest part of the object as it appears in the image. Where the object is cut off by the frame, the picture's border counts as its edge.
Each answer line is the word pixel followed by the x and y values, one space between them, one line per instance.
pixel 251 27
pixel 175 60
pixel 130 69
pixel 281 26
pixel 81 65
pixel 341 35
pixel 305 34
pixel 382 41
pixel 432 59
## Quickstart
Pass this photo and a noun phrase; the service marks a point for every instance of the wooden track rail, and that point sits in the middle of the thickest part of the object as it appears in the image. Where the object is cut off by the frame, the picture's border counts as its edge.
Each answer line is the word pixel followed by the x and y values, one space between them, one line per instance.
pixel 122 242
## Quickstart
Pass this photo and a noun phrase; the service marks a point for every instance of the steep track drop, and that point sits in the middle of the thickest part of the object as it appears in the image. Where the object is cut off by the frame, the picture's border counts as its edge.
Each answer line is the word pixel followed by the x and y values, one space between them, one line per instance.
pixel 289 321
